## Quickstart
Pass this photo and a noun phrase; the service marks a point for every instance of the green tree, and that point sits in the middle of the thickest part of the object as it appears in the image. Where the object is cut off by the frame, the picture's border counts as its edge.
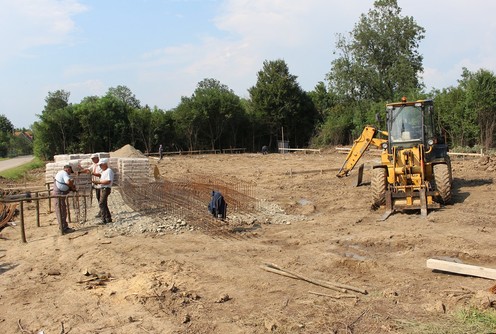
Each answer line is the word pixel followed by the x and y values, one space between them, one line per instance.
pixel 323 100
pixel 125 95
pixel 254 133
pixel 115 131
pixel 218 107
pixel 278 102
pixel 146 127
pixel 467 112
pixel 56 100
pixel 166 132
pixel 238 123
pixel 481 98
pixel 457 121
pixel 336 128
pixel 139 123
pixel 6 125
pixel 57 130
pixel 6 132
pixel 380 59
pixel 90 113
pixel 95 124
pixel 188 122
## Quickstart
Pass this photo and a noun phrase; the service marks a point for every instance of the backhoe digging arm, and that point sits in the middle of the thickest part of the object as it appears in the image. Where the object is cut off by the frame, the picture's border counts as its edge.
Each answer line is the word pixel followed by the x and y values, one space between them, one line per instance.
pixel 359 147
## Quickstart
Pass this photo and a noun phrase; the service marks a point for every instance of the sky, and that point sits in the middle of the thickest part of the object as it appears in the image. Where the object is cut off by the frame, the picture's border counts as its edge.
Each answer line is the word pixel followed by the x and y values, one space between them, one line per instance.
pixel 161 49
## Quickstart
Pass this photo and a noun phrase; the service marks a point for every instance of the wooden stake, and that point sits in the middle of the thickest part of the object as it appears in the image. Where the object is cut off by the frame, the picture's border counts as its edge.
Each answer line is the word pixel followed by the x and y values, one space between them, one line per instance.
pixel 61 227
pixel 77 236
pixel 331 296
pixel 37 211
pixel 330 285
pixel 23 231
pixel 49 200
pixel 68 207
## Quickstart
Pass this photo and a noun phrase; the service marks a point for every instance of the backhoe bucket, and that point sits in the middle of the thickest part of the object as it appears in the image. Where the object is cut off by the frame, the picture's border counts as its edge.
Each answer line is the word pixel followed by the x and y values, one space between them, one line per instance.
pixel 398 201
pixel 360 175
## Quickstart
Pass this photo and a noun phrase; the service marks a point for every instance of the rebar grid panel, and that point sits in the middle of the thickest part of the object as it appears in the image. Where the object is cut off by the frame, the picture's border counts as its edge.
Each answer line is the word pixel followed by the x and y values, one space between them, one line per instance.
pixel 7 211
pixel 188 199
pixel 239 195
pixel 77 204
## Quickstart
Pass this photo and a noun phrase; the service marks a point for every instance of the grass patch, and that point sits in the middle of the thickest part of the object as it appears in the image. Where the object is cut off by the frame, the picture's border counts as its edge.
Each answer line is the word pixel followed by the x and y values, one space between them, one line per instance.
pixel 480 321
pixel 464 321
pixel 19 172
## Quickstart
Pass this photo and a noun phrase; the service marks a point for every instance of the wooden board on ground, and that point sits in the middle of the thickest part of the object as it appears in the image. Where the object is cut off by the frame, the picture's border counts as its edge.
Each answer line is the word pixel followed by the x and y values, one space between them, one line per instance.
pixel 460 268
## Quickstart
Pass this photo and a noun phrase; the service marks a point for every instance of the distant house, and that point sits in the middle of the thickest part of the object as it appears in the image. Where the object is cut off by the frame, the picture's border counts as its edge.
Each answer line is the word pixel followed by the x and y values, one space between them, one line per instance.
pixel 24 134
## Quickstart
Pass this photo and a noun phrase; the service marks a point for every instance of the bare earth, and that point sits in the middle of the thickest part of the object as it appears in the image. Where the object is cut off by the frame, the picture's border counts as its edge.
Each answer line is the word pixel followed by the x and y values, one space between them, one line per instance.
pixel 102 280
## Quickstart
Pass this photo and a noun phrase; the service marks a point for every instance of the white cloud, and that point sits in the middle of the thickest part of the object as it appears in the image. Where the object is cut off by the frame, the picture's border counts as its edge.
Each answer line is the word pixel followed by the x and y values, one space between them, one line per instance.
pixel 458 34
pixel 25 24
pixel 85 88
pixel 300 32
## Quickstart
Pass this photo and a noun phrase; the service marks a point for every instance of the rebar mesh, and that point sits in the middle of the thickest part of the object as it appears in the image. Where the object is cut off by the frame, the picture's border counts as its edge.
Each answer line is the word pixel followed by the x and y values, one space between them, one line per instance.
pixel 188 199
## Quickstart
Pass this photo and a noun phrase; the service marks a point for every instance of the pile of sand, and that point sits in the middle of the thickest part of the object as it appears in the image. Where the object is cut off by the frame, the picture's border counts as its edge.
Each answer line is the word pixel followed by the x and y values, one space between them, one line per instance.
pixel 127 151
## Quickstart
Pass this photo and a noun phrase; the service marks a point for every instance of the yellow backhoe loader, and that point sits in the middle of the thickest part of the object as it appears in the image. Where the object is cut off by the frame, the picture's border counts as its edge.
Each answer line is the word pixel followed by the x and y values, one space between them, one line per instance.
pixel 415 169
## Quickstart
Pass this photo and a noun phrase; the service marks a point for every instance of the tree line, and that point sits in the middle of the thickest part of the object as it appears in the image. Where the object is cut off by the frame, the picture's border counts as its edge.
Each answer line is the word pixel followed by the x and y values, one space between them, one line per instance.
pixel 14 142
pixel 377 62
pixel 213 117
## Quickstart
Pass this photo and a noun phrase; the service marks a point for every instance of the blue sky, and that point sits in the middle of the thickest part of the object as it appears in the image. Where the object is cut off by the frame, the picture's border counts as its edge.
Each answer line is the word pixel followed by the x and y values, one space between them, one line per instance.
pixel 161 49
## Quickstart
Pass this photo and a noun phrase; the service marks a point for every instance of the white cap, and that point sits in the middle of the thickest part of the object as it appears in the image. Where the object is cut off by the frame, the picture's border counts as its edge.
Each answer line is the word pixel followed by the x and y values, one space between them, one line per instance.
pixel 103 161
pixel 94 155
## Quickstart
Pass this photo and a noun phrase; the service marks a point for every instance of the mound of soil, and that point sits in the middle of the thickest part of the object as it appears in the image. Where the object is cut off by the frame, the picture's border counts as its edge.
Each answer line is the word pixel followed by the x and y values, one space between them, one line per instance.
pixel 127 151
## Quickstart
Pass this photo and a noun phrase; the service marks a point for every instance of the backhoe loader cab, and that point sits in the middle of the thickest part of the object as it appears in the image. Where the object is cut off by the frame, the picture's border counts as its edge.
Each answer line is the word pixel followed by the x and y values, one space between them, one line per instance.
pixel 415 171
pixel 405 124
pixel 411 124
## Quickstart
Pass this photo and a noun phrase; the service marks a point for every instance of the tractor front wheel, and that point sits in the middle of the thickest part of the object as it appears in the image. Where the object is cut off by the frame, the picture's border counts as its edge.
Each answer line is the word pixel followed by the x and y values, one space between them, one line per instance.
pixel 378 184
pixel 442 178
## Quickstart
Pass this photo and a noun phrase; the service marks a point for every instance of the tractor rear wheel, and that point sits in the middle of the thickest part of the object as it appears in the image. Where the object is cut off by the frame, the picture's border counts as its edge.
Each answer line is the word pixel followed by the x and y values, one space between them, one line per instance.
pixel 442 178
pixel 378 184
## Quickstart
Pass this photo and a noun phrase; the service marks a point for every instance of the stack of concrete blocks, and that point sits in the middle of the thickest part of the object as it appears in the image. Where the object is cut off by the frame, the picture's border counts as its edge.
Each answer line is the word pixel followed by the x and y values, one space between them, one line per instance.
pixel 78 162
pixel 135 170
pixel 82 181
pixel 86 162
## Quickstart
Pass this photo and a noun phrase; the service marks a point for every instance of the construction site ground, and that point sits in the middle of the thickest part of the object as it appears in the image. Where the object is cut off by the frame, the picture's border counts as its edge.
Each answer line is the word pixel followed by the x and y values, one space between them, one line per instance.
pixel 127 278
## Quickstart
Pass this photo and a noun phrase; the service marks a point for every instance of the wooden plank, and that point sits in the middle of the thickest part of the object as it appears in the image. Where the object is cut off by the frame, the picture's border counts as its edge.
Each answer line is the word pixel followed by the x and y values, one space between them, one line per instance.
pixel 460 268
pixel 234 150
pixel 467 154
pixel 317 150
pixel 347 149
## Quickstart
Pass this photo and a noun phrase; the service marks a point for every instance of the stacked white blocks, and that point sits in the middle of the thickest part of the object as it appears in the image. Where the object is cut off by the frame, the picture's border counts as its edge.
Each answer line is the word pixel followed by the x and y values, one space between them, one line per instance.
pixel 134 170
pixel 137 170
pixel 82 181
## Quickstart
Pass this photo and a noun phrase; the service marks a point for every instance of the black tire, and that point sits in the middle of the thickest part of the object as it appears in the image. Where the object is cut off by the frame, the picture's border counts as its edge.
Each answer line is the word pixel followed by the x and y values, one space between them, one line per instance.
pixel 379 186
pixel 442 179
pixel 448 161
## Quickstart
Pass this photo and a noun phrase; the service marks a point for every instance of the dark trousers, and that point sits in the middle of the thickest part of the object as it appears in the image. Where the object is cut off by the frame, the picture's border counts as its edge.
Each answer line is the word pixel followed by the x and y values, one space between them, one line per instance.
pixel 97 194
pixel 60 207
pixel 103 204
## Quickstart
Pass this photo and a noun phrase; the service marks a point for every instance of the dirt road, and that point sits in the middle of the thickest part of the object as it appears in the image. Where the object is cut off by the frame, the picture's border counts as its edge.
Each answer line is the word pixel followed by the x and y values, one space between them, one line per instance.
pixel 128 277
pixel 14 162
